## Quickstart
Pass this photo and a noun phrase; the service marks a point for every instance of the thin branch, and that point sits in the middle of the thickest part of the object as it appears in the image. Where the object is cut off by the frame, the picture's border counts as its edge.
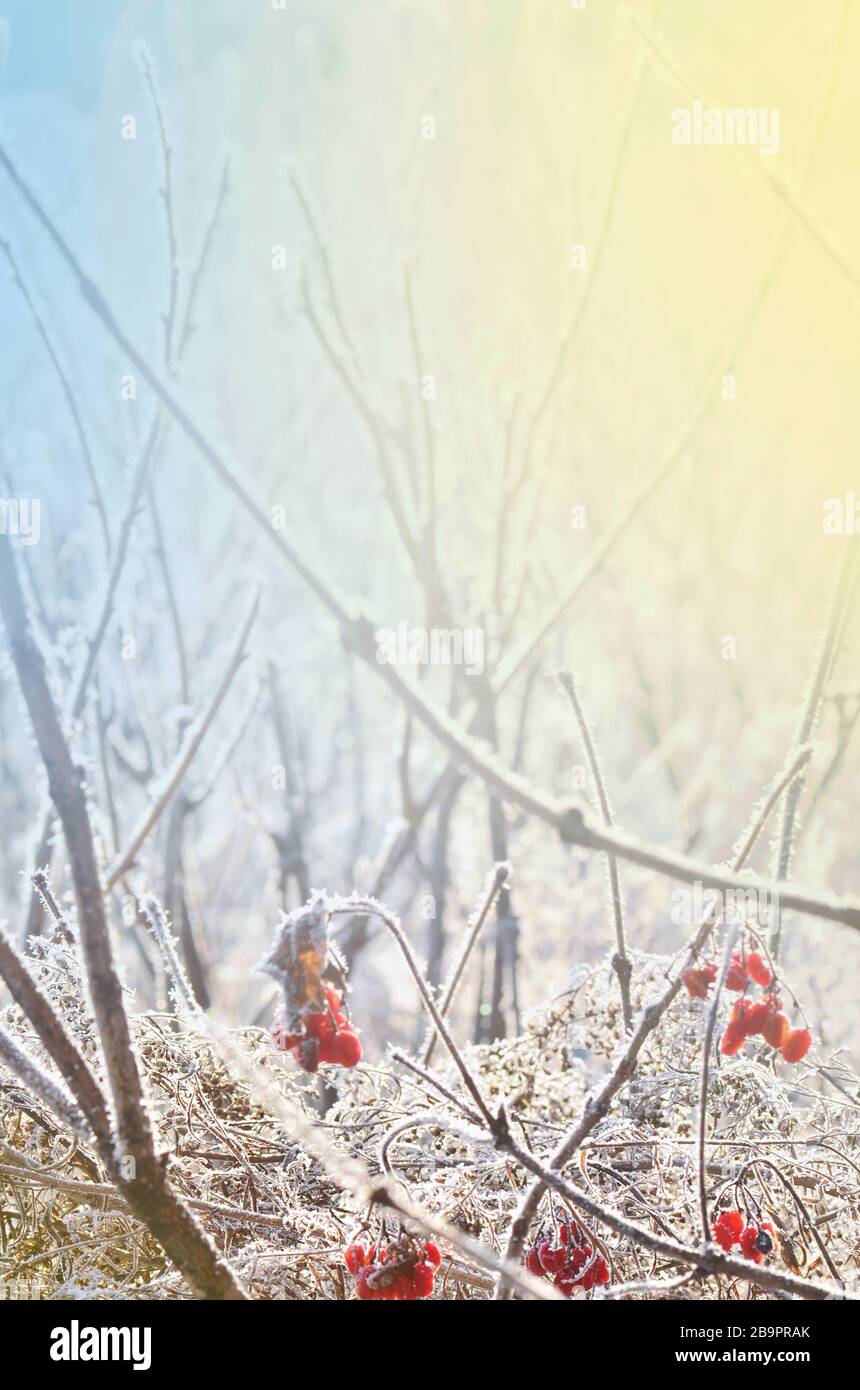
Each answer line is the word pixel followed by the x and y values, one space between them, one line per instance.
pixel 841 604
pixel 369 907
pixel 68 392
pixel 36 1079
pixel 167 944
pixel 498 876
pixel 707 1044
pixel 59 1045
pixel 167 198
pixel 620 961
pixel 208 238
pixel 193 739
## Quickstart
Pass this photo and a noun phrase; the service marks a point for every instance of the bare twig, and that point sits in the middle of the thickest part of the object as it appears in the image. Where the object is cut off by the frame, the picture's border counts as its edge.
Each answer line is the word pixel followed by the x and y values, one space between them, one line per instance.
pixel 498 876
pixel 193 739
pixel 620 961
pixel 842 598
pixel 68 392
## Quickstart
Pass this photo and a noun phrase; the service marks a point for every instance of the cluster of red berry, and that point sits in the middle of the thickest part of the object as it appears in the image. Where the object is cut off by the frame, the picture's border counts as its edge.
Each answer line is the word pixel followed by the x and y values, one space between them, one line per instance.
pixel 756 1241
pixel 572 1261
pixel 750 1018
pixel 328 1036
pixel 406 1271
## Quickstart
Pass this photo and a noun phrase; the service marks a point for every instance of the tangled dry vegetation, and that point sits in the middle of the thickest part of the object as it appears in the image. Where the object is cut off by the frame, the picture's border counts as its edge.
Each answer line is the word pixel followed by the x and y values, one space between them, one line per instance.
pixel 282 1208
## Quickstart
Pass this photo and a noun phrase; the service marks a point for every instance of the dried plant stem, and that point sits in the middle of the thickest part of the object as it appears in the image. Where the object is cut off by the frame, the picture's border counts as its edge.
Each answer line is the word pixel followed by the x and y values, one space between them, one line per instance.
pixel 499 876
pixel 61 1048
pixel 193 739
pixel 702 1119
pixel 43 888
pixel 68 392
pixel 842 599
pixel 94 644
pixel 36 1079
pixel 167 943
pixel 371 908
pixel 620 961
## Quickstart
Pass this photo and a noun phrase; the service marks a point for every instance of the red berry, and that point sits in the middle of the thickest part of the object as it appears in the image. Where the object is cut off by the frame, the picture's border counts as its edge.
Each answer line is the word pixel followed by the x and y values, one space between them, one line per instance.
pixel 775 1029
pixel 757 1241
pixel 727 1228
pixel 738 975
pixel 363 1287
pixel 432 1254
pixel 348 1048
pixel 757 1016
pixel 565 1283
pixel 355 1257
pixel 797 1044
pixel 732 1039
pixel 335 1002
pixel 422 1279
pixel 553 1258
pixel 696 983
pixel 533 1263
pixel 758 968
pixel 596 1273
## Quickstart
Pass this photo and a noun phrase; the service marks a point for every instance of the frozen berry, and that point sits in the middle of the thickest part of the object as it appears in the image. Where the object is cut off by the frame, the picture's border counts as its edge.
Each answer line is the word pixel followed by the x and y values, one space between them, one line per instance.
pixel 737 975
pixel 797 1044
pixel 597 1273
pixel 423 1276
pixel 355 1257
pixel 533 1263
pixel 756 1017
pixel 364 1288
pixel 348 1048
pixel 432 1254
pixel 757 1241
pixel 775 1029
pixel 758 968
pixel 727 1228
pixel 695 982
pixel 553 1258
pixel 733 1039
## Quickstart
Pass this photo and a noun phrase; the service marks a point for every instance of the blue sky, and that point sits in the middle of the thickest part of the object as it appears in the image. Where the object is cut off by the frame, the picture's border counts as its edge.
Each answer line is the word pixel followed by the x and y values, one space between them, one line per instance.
pixel 59 46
